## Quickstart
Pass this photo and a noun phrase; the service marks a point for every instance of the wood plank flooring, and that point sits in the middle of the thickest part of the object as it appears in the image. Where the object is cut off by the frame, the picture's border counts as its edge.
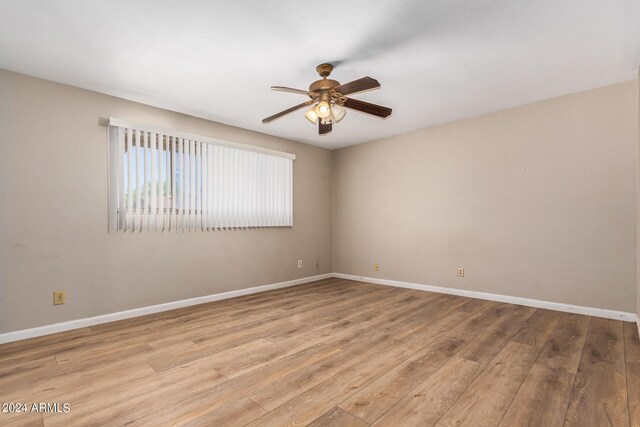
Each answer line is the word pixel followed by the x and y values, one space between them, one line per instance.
pixel 333 353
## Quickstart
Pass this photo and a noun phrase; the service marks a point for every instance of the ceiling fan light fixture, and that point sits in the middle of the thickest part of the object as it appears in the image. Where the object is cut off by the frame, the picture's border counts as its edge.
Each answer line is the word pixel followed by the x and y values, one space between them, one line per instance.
pixel 337 112
pixel 311 115
pixel 323 110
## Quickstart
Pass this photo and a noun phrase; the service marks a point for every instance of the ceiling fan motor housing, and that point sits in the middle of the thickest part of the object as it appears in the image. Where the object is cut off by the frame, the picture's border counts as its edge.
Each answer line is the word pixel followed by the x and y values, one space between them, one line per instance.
pixel 323 85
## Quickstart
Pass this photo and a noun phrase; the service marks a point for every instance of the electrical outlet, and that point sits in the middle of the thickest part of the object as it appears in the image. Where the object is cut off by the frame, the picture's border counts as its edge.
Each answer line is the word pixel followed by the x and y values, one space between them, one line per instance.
pixel 299 263
pixel 460 272
pixel 59 297
pixel 376 266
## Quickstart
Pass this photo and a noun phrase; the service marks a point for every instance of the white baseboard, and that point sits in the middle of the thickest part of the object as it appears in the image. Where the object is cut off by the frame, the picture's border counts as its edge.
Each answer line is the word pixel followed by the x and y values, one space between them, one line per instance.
pixel 120 315
pixel 136 312
pixel 589 311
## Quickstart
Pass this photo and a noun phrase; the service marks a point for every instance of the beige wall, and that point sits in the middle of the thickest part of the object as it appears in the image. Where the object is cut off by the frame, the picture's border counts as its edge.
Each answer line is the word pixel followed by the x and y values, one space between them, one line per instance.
pixel 537 201
pixel 53 214
pixel 638 204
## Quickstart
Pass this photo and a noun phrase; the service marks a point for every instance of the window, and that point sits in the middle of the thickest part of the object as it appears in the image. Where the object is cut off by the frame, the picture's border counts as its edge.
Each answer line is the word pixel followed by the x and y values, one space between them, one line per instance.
pixel 164 180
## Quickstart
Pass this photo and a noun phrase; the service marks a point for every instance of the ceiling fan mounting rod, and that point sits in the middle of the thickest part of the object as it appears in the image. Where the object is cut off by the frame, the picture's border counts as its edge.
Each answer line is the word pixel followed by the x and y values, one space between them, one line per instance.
pixel 324 70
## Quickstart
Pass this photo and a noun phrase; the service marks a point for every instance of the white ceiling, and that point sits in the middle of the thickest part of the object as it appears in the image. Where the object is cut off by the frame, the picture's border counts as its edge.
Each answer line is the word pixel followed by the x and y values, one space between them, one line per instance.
pixel 437 61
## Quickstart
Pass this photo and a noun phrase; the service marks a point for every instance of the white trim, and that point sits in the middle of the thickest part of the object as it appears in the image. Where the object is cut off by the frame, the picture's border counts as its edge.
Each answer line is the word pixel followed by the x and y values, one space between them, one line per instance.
pixel 180 134
pixel 589 311
pixel 136 312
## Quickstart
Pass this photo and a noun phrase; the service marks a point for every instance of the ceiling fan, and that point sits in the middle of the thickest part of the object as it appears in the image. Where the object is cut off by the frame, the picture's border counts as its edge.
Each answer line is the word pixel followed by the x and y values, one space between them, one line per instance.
pixel 328 97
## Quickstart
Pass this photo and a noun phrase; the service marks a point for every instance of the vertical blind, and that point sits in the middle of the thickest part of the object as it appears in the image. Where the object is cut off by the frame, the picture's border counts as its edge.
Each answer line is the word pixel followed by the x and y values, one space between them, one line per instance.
pixel 164 180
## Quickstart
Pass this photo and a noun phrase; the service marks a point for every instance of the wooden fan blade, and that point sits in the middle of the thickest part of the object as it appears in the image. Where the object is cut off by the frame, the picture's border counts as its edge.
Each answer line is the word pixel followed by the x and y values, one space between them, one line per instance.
pixel 324 129
pixel 359 85
pixel 287 111
pixel 365 107
pixel 290 89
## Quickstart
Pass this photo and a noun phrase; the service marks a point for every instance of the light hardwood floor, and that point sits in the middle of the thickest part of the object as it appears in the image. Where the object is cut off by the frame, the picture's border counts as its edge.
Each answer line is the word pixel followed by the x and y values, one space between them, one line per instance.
pixel 333 353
